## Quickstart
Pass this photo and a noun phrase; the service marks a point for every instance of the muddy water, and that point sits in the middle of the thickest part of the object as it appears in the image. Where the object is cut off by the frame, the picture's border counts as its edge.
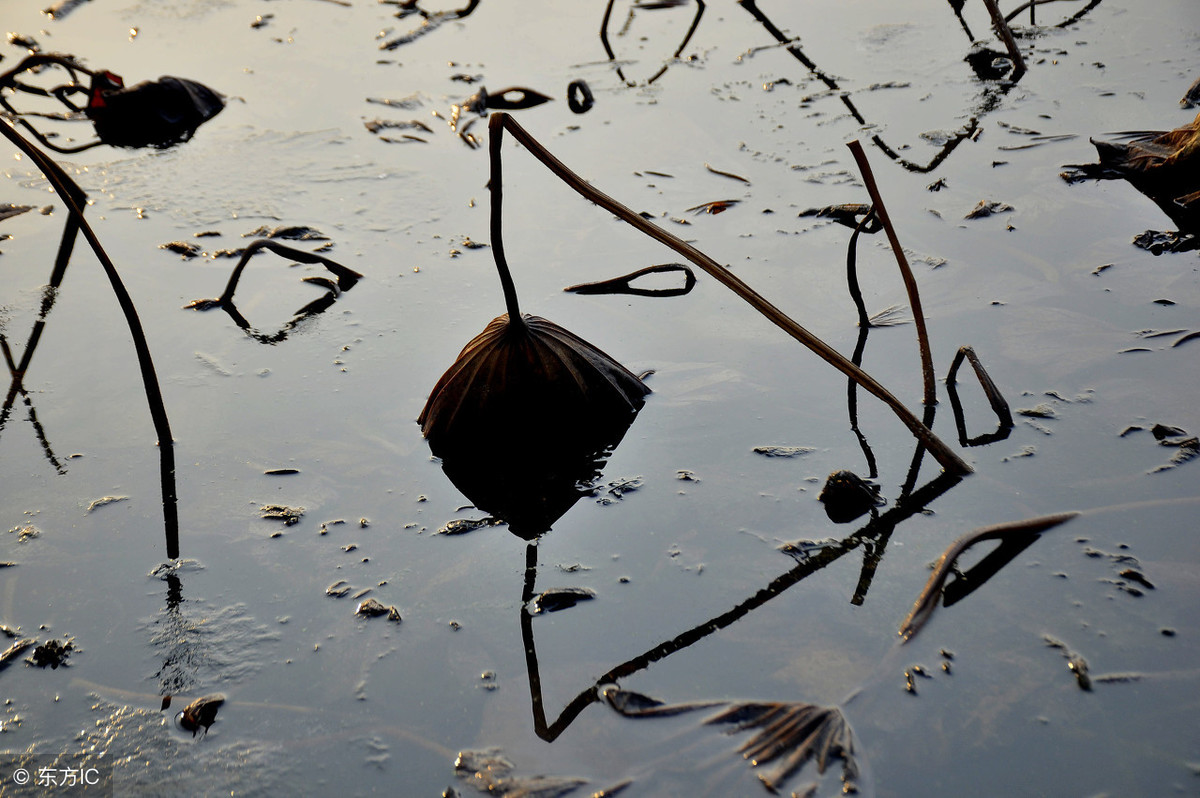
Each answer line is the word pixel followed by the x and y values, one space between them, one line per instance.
pixel 685 527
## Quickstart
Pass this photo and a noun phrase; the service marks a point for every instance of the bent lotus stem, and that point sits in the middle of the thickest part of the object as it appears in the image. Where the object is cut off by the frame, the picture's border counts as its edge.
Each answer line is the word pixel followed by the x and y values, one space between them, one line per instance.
pixel 501 121
pixel 910 282
pixel 346 277
pixel 925 604
pixel 496 186
pixel 74 197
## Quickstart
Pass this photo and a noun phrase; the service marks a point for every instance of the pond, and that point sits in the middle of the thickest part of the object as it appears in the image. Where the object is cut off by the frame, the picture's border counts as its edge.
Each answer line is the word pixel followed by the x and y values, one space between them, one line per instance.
pixel 693 621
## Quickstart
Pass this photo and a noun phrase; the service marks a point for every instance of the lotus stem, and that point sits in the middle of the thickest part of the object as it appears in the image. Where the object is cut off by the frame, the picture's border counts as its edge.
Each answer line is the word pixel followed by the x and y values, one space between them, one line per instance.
pixel 1006 36
pixel 496 186
pixel 946 457
pixel 1029 528
pixel 346 277
pixel 910 282
pixel 72 195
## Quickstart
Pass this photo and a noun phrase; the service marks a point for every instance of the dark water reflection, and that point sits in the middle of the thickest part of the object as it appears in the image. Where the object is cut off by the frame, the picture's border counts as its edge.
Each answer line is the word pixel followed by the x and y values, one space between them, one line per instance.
pixel 716 578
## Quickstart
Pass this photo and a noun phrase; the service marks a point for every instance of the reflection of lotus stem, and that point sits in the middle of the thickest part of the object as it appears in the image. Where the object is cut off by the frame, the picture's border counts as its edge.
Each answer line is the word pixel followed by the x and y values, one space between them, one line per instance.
pixel 346 277
pixel 73 196
pixel 910 282
pixel 496 185
pixel 944 455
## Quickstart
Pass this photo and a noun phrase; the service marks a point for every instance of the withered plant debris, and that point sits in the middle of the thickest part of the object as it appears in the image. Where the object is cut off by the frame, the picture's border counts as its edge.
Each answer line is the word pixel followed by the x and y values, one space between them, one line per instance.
pixel 347 278
pixel 783 451
pixel 1187 446
pixel 624 283
pixel 9 210
pixel 291 232
pixel 281 512
pixel 995 399
pixel 714 207
pixel 1165 166
pixel 987 208
pixel 847 496
pixel 185 249
pixel 201 713
pixel 461 526
pixel 339 589
pixel 950 461
pixel 1075 662
pixel 1015 537
pixel 489 772
pixel 158 113
pixel 14 651
pixel 1156 242
pixel 730 175
pixel 52 653
pixel 786 734
pixel 371 608
pixel 560 598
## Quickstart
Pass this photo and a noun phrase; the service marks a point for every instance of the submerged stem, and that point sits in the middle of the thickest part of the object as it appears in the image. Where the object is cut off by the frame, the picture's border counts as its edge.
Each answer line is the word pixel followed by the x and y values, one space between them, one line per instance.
pixel 501 121
pixel 496 186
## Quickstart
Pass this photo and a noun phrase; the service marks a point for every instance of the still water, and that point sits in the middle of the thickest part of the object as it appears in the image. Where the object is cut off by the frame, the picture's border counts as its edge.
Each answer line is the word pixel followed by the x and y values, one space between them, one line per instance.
pixel 715 578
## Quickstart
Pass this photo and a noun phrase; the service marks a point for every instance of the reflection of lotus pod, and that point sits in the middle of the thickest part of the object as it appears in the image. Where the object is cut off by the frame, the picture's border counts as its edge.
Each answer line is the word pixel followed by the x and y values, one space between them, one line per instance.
pixel 152 113
pixel 523 418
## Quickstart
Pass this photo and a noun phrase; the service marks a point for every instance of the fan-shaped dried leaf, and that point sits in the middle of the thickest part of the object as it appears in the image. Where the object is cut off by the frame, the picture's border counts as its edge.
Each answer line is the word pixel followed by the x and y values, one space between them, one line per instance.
pixel 789 733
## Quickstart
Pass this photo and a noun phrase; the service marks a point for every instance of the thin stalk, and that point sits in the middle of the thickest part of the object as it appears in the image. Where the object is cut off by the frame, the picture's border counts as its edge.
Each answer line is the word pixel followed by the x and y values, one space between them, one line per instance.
pixel 945 456
pixel 496 185
pixel 910 282
pixel 71 194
